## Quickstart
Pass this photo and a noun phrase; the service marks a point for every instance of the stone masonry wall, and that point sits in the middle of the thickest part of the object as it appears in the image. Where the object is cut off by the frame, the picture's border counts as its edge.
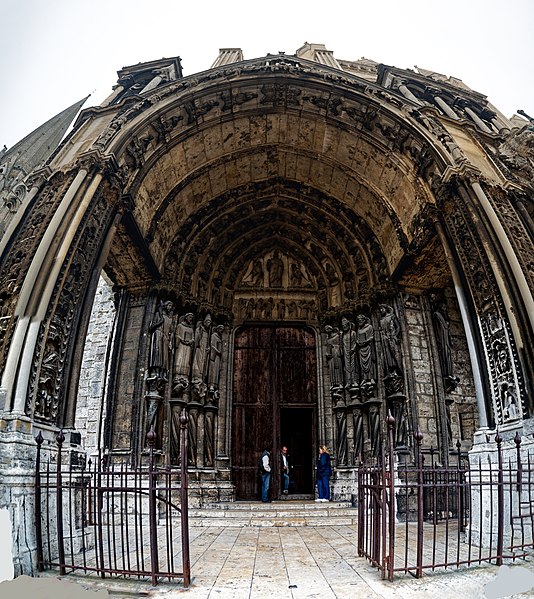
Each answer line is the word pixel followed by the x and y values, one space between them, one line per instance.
pixel 427 386
pixel 90 407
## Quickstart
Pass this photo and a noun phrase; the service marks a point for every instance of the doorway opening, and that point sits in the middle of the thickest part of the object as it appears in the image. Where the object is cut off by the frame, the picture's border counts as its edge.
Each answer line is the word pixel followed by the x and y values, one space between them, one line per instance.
pixel 274 404
pixel 297 428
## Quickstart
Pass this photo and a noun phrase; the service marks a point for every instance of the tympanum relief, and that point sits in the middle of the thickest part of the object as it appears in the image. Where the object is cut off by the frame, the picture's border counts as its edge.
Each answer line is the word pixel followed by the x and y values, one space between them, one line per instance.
pixel 276 286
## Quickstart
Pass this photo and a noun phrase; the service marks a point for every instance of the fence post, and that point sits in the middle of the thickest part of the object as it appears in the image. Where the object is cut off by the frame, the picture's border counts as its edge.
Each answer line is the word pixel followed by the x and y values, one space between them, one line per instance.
pixel 38 525
pixel 500 501
pixel 517 441
pixel 59 506
pixel 361 507
pixel 99 508
pixel 419 455
pixel 390 421
pixel 184 509
pixel 461 488
pixel 152 491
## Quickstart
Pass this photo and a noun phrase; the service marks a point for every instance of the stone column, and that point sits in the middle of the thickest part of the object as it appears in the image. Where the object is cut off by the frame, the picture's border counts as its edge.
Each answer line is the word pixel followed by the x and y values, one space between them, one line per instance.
pixel 511 257
pixel 445 107
pixel 469 327
pixel 401 86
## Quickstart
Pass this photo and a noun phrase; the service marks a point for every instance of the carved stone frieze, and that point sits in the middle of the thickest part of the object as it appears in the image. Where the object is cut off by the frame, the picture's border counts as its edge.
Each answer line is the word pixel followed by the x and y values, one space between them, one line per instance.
pixel 516 153
pixel 331 104
pixel 516 232
pixel 280 94
pixel 486 297
pixel 56 340
pixel 17 258
pixel 230 99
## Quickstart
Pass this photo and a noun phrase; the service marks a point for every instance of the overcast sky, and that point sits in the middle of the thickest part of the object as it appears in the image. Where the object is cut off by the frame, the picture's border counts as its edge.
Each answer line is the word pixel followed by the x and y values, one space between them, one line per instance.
pixel 55 52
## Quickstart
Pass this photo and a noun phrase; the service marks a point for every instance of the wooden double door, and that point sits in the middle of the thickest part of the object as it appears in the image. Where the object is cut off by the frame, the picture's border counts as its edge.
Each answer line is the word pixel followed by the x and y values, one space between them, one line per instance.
pixel 274 404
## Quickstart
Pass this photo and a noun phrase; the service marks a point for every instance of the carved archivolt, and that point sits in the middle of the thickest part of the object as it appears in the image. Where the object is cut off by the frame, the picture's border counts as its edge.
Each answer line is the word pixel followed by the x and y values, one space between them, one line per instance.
pixel 285 254
pixel 57 336
pixel 22 249
pixel 499 347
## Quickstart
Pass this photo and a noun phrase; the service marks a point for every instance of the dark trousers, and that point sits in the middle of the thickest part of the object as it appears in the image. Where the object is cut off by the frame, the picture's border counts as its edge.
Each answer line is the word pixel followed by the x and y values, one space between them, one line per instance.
pixel 323 487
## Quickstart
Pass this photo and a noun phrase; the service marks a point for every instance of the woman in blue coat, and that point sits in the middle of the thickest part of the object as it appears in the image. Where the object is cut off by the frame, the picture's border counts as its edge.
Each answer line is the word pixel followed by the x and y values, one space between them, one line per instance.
pixel 324 471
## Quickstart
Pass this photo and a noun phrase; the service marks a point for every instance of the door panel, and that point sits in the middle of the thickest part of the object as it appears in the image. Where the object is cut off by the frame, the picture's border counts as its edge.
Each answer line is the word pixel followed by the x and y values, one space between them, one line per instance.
pixel 274 368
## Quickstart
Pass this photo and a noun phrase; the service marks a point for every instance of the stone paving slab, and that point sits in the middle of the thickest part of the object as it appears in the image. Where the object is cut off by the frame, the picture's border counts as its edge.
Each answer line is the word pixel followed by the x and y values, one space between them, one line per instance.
pixel 298 563
pixel 271 562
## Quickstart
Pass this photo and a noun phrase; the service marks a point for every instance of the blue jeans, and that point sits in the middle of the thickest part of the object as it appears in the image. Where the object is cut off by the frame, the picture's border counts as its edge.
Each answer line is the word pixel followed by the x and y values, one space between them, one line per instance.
pixel 265 480
pixel 285 478
pixel 323 487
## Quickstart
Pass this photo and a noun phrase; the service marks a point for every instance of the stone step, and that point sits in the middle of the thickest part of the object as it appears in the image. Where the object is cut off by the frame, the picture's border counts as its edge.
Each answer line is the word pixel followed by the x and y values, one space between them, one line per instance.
pixel 278 513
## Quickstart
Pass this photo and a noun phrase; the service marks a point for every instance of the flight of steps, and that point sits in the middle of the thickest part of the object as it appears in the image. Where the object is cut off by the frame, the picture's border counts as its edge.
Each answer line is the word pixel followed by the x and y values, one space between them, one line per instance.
pixel 278 513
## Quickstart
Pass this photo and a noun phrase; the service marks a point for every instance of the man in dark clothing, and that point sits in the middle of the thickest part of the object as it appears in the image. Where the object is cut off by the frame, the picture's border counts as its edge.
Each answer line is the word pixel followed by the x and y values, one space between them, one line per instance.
pixel 324 471
pixel 285 470
pixel 265 471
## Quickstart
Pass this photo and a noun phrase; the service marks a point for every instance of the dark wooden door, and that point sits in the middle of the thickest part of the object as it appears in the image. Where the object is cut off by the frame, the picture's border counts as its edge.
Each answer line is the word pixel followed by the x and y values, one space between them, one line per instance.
pixel 275 368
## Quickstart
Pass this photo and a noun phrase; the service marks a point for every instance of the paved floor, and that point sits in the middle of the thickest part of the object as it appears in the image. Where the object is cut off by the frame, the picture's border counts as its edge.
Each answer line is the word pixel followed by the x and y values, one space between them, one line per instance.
pixel 314 562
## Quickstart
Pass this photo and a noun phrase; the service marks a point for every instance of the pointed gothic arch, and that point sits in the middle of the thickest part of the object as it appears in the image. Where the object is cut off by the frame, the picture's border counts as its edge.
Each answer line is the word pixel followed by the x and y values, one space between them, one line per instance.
pixel 372 197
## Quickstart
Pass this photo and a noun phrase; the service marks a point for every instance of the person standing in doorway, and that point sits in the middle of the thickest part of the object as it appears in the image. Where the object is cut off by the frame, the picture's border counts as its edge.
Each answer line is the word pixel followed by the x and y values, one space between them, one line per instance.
pixel 324 471
pixel 265 472
pixel 284 465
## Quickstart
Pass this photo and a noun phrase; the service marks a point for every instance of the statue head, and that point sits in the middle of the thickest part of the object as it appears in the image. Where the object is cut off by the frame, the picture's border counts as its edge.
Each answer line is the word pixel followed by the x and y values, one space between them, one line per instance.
pixel 362 319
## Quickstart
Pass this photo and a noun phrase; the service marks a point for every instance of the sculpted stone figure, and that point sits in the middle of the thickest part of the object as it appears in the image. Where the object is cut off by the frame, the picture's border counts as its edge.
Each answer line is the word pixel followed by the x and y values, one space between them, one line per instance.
pixel 216 346
pixel 275 267
pixel 348 346
pixel 364 340
pixel 184 340
pixel 160 330
pixel 202 348
pixel 297 278
pixel 444 342
pixel 389 337
pixel 256 276
pixel 391 356
pixel 333 355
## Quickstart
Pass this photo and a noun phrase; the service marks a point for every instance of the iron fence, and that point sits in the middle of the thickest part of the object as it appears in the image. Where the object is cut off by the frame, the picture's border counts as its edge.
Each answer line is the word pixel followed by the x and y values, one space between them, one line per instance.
pixel 112 519
pixel 417 515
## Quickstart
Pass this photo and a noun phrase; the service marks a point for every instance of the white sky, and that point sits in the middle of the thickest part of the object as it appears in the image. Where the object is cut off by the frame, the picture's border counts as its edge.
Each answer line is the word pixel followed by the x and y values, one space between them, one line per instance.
pixel 55 52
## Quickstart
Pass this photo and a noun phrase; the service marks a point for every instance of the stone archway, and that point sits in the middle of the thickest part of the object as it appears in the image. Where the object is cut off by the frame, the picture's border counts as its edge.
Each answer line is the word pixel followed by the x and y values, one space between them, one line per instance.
pixel 185 195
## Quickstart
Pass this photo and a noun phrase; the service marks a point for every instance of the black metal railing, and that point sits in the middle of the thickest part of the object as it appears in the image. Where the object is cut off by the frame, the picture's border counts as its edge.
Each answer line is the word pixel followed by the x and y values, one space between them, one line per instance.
pixel 111 519
pixel 417 515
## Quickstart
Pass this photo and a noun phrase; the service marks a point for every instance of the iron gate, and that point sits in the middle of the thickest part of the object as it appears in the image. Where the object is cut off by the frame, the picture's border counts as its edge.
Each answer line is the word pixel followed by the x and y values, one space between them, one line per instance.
pixel 112 519
pixel 414 516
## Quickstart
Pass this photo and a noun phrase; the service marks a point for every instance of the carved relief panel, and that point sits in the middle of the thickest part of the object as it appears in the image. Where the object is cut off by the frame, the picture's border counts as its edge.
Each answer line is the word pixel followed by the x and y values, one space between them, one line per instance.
pixel 505 376
pixel 276 286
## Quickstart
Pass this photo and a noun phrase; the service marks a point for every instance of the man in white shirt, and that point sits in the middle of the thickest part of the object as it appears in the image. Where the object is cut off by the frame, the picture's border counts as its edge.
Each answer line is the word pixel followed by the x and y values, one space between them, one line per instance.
pixel 285 471
pixel 265 471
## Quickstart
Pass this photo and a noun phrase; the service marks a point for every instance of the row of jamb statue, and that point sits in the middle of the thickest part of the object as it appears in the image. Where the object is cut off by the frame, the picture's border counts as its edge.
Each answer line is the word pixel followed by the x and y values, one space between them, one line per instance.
pixel 195 350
